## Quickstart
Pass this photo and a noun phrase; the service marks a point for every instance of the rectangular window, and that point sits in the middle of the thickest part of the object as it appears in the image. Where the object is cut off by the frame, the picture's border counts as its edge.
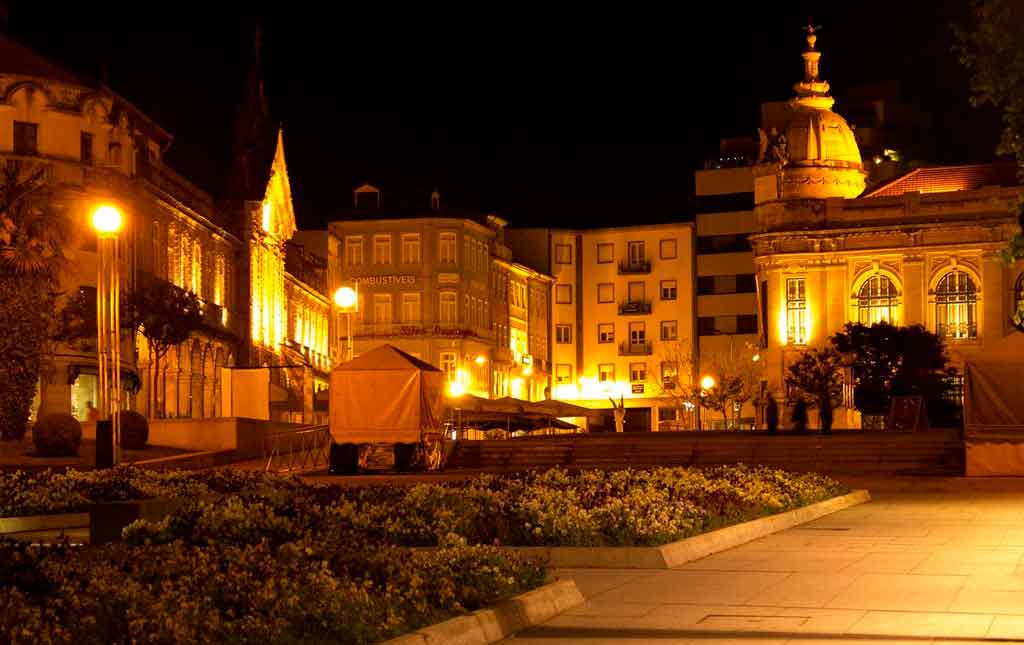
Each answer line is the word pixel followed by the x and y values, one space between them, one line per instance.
pixel 637 333
pixel 705 285
pixel 606 332
pixel 668 249
pixel 382 313
pixel 563 254
pixel 563 374
pixel 411 248
pixel 637 253
pixel 736 243
pixel 706 326
pixel 606 372
pixel 636 292
pixel 353 251
pixel 746 283
pixel 638 372
pixel 669 330
pixel 796 312
pixel 563 294
pixel 563 334
pixel 382 249
pixel 26 138
pixel 606 292
pixel 85 148
pixel 449 365
pixel 746 324
pixel 668 290
pixel 448 312
pixel 669 373
pixel 605 253
pixel 446 248
pixel 411 309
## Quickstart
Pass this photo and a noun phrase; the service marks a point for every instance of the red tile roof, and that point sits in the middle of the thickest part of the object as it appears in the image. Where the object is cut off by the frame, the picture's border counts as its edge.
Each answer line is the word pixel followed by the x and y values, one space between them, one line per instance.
pixel 945 179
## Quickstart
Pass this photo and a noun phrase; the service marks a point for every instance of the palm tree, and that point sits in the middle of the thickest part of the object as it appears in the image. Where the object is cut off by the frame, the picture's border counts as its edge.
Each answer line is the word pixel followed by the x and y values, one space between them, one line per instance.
pixel 35 237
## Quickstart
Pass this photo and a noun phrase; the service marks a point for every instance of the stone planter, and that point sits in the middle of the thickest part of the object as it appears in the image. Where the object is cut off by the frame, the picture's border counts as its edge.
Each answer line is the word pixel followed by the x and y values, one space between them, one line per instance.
pixel 55 522
pixel 108 519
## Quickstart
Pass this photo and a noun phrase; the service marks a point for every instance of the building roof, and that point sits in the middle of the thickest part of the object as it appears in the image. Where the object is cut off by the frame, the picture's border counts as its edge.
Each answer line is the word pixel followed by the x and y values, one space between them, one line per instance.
pixel 946 179
pixel 385 213
pixel 19 60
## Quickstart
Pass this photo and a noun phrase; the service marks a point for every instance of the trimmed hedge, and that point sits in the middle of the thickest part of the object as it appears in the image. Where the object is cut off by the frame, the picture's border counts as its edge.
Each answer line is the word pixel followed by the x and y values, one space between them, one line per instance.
pixel 57 435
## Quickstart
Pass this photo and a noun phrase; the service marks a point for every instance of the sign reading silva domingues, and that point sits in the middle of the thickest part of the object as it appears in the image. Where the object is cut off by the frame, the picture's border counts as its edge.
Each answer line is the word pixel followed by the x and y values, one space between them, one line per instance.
pixel 386 280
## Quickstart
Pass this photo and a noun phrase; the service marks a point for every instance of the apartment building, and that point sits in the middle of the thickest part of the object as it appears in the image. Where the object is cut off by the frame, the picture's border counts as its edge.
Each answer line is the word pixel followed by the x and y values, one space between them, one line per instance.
pixel 727 301
pixel 443 286
pixel 622 318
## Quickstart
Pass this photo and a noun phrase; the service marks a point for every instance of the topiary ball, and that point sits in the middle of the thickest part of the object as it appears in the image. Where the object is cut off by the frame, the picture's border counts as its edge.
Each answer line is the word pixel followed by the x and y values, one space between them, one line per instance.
pixel 134 430
pixel 57 435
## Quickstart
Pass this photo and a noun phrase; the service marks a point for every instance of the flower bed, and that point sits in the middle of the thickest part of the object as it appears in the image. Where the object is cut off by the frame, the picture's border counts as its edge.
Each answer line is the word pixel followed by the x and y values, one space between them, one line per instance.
pixel 253 557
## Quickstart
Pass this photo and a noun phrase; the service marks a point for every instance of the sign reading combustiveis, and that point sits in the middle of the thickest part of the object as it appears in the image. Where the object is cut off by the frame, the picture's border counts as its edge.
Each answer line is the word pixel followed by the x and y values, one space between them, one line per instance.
pixel 381 280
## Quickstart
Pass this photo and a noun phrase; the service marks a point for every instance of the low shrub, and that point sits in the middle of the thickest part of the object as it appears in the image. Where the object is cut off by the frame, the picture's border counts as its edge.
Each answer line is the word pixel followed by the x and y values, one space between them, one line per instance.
pixel 134 430
pixel 57 435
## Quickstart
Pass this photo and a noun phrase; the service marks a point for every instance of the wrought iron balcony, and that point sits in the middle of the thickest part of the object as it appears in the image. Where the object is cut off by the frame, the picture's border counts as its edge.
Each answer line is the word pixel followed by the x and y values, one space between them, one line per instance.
pixel 635 349
pixel 635 307
pixel 634 267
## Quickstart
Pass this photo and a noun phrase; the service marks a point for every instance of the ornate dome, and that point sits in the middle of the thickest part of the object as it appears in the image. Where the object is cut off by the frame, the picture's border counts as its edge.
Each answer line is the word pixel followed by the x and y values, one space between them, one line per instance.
pixel 816 155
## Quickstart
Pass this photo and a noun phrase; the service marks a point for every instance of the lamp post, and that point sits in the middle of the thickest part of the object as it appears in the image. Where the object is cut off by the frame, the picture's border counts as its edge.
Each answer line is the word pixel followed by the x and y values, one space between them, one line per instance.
pixel 347 300
pixel 706 383
pixel 107 221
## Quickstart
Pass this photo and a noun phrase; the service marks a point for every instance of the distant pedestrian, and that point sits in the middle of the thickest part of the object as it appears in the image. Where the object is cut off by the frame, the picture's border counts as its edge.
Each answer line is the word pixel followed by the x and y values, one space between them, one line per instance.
pixel 91 413
pixel 798 417
pixel 771 415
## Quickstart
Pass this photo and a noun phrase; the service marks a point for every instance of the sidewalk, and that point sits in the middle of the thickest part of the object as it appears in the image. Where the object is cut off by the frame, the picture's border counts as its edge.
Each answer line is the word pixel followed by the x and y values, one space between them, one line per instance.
pixel 945 561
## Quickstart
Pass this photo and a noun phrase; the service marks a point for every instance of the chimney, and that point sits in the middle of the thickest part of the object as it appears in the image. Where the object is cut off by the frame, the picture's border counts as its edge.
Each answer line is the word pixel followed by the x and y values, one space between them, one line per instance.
pixel 435 200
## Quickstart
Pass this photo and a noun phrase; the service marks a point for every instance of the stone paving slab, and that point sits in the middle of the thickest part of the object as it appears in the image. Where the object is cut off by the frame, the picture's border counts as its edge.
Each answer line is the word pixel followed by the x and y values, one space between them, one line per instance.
pixel 938 562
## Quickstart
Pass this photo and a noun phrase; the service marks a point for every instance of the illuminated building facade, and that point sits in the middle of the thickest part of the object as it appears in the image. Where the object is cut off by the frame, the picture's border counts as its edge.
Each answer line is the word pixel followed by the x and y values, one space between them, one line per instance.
pixel 97 147
pixel 622 322
pixel 442 286
pixel 923 248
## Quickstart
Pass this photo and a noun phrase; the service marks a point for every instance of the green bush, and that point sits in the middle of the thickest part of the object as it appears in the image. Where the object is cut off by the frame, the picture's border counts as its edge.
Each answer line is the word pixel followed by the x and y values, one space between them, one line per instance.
pixel 57 435
pixel 134 430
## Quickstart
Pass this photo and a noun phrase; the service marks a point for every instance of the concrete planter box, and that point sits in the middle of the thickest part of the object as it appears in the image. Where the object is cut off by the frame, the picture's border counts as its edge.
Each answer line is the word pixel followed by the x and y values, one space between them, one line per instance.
pixel 43 522
pixel 501 621
pixel 678 553
pixel 108 519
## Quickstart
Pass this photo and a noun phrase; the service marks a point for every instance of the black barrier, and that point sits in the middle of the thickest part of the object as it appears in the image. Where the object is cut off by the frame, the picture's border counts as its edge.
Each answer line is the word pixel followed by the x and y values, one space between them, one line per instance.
pixel 405 455
pixel 104 444
pixel 344 459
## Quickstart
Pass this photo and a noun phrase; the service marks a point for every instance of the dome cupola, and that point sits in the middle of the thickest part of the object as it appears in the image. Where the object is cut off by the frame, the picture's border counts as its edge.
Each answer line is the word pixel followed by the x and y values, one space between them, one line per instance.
pixel 815 156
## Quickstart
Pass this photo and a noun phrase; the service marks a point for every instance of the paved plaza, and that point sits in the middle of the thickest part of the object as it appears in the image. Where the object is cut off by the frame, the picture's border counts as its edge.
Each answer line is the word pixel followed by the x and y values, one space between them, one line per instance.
pixel 928 561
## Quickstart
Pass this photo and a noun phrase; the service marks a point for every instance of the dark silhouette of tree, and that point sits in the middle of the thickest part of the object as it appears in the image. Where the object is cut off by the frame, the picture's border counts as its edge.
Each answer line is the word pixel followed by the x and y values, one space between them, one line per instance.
pixel 167 316
pixel 890 361
pixel 816 379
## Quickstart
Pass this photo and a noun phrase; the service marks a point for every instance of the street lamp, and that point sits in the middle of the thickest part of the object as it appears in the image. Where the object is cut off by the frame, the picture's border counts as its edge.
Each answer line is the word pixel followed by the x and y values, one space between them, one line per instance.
pixel 108 221
pixel 706 383
pixel 347 300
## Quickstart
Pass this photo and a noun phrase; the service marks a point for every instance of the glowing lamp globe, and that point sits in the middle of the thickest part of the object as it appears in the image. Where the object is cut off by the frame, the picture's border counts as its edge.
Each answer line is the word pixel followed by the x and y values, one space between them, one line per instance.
pixel 707 382
pixel 107 220
pixel 345 297
pixel 481 359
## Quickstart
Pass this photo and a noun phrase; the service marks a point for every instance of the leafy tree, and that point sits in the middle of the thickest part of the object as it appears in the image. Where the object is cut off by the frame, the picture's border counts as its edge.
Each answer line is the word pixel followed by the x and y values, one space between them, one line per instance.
pixel 166 316
pixel 36 236
pixel 890 361
pixel 816 379
pixel 736 378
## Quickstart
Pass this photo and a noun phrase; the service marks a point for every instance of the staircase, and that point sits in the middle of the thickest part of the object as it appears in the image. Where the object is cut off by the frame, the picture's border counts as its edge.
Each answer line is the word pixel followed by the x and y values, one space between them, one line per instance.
pixel 936 452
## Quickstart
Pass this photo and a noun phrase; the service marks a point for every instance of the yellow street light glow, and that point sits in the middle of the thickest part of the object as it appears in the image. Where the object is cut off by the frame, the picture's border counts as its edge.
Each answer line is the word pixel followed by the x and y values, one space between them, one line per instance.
pixel 708 382
pixel 756 358
pixel 527 370
pixel 481 359
pixel 106 219
pixel 456 389
pixel 345 297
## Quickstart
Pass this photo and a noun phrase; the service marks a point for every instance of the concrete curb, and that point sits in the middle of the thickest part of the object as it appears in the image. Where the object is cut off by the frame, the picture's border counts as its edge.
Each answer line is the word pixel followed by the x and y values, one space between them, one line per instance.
pixel 43 522
pixel 675 554
pixel 507 617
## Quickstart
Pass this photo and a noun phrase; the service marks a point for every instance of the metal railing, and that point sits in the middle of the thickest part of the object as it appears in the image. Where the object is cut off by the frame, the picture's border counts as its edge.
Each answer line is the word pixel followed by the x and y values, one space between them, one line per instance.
pixel 635 307
pixel 635 349
pixel 295 451
pixel 632 267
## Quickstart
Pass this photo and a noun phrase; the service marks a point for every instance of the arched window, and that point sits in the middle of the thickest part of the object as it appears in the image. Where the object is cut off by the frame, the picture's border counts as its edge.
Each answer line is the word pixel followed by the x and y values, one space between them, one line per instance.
pixel 1018 302
pixel 956 306
pixel 876 301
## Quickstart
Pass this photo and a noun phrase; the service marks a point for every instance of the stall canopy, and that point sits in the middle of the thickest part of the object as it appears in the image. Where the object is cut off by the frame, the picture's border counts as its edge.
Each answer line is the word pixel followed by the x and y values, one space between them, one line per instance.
pixel 385 395
pixel 994 389
pixel 994 409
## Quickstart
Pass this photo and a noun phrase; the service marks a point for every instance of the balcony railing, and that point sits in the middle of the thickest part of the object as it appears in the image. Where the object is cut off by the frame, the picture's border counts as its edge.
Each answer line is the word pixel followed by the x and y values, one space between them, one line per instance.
pixel 635 349
pixel 957 331
pixel 635 307
pixel 633 267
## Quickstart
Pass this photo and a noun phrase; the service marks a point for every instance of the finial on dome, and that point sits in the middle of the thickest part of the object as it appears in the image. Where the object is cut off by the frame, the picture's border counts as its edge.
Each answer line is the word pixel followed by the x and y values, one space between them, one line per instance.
pixel 811 56
pixel 811 30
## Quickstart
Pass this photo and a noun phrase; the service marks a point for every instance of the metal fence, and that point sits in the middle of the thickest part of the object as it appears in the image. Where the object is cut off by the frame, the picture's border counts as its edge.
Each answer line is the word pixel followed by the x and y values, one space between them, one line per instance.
pixel 295 451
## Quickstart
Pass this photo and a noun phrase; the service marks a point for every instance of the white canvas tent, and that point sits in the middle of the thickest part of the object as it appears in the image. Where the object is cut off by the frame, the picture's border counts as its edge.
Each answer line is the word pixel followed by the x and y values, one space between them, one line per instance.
pixel 385 395
pixel 994 409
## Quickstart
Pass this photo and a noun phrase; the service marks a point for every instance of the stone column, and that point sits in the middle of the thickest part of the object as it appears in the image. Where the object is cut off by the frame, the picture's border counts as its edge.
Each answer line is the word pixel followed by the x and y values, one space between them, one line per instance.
pixel 915 291
pixel 307 395
pixel 990 327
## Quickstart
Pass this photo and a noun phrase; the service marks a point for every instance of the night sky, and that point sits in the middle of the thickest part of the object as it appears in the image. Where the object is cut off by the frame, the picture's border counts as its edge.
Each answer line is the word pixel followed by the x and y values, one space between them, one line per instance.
pixel 593 114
